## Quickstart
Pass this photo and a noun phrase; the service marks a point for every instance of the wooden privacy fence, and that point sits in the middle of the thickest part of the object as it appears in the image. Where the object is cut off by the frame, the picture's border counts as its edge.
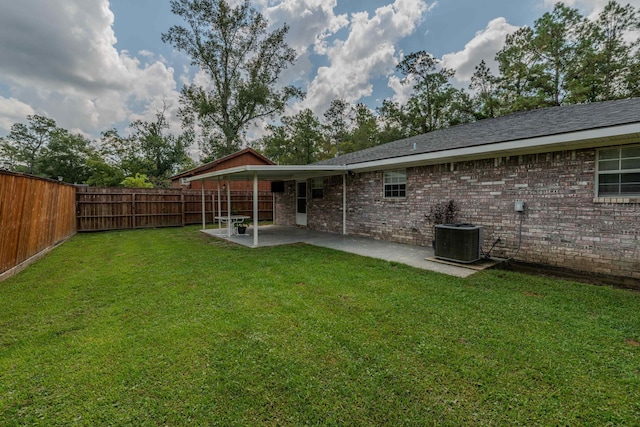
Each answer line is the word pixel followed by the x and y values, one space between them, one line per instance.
pixel 99 209
pixel 35 215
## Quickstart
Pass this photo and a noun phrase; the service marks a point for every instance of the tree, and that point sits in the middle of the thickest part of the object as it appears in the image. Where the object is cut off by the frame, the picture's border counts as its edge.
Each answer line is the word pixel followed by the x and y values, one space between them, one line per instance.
pixel 393 121
pixel 24 144
pixel 161 154
pixel 243 62
pixel 365 131
pixel 435 103
pixel 339 119
pixel 138 181
pixel 485 85
pixel 517 64
pixel 613 56
pixel 150 150
pixel 566 58
pixel 297 141
pixel 66 155
pixel 558 43
pixel 102 173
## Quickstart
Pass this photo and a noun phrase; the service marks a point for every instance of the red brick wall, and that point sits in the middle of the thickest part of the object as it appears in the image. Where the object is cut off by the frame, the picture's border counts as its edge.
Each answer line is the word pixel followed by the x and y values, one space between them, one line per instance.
pixel 285 207
pixel 325 214
pixel 563 225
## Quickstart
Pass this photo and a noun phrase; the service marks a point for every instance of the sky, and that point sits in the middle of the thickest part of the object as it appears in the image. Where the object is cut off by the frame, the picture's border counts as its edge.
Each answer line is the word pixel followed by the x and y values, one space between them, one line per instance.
pixel 93 65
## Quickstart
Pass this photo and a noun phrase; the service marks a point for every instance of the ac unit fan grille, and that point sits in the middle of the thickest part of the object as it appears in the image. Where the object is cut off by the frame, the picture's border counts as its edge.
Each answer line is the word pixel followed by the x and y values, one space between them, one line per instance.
pixel 458 242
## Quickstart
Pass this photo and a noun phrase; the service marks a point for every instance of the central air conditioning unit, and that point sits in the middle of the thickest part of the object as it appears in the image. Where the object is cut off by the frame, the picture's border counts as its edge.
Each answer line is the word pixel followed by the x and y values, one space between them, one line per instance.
pixel 459 242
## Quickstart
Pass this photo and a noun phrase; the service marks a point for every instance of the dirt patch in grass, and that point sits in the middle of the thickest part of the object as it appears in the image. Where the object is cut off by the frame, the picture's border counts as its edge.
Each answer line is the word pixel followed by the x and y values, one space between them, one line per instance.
pixel 576 276
pixel 533 294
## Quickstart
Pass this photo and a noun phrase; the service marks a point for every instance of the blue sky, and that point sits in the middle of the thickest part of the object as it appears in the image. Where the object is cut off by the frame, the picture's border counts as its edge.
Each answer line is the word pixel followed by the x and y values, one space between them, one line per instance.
pixel 93 65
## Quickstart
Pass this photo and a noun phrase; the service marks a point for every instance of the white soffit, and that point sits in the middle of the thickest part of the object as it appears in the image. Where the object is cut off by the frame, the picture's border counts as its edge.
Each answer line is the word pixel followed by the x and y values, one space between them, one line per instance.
pixel 273 172
pixel 569 141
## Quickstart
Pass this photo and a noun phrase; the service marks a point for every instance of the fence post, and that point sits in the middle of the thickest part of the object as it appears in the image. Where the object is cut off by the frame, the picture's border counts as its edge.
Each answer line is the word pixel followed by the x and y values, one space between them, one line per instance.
pixel 182 205
pixel 133 210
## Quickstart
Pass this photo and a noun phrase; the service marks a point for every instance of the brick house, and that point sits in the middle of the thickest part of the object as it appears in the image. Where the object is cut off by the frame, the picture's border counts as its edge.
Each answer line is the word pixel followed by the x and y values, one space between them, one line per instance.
pixel 576 168
pixel 248 156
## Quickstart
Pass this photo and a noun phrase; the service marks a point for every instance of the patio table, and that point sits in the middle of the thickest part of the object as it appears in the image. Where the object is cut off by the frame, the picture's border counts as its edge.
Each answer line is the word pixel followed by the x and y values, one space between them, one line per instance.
pixel 232 222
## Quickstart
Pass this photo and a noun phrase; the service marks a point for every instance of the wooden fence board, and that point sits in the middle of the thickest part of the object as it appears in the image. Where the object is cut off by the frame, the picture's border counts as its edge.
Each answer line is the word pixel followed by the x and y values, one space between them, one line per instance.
pixel 35 214
pixel 100 209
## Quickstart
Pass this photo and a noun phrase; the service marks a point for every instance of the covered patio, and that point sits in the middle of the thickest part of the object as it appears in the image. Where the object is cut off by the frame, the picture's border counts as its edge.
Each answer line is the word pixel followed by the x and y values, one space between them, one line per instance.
pixel 273 235
pixel 267 173
pixel 415 256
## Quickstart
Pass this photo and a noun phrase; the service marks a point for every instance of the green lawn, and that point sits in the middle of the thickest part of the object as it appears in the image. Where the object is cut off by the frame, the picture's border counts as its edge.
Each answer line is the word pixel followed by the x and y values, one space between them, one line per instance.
pixel 170 327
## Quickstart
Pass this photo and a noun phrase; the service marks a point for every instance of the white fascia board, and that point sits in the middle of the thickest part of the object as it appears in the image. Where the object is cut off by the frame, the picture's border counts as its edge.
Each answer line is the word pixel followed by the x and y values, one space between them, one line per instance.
pixel 272 172
pixel 574 140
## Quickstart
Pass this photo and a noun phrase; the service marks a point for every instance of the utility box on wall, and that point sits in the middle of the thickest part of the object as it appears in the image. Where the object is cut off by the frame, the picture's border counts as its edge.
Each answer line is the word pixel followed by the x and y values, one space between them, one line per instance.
pixel 459 242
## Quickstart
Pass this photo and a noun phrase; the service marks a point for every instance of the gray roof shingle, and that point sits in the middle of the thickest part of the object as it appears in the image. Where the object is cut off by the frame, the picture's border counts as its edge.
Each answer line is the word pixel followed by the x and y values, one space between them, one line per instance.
pixel 513 127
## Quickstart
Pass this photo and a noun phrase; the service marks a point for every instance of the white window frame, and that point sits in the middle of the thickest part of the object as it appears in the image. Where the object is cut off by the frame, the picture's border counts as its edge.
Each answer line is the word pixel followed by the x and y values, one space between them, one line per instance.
pixel 618 169
pixel 394 178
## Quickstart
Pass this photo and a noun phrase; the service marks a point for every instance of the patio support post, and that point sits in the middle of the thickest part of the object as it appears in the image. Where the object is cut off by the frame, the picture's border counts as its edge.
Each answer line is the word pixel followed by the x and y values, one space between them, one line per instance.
pixel 344 204
pixel 204 218
pixel 219 205
pixel 255 209
pixel 228 208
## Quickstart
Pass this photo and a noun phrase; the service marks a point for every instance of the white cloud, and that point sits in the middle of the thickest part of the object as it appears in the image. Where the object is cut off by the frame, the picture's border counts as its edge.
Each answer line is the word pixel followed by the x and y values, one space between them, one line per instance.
pixel 368 52
pixel 310 21
pixel 402 92
pixel 484 45
pixel 60 58
pixel 12 111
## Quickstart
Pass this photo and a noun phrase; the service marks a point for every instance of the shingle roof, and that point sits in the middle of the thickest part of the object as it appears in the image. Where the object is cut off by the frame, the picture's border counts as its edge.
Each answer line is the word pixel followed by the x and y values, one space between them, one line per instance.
pixel 513 127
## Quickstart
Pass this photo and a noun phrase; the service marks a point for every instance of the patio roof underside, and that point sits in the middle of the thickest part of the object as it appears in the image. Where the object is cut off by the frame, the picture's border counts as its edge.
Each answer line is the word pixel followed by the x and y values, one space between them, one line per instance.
pixel 271 173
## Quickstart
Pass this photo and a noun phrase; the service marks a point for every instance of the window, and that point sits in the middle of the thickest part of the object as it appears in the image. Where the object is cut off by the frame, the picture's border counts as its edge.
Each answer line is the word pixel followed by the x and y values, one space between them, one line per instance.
pixel 619 171
pixel 395 184
pixel 317 189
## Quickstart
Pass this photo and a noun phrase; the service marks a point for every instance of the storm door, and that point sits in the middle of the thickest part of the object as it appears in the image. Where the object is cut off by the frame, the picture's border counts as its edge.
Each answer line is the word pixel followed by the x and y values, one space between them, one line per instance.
pixel 301 203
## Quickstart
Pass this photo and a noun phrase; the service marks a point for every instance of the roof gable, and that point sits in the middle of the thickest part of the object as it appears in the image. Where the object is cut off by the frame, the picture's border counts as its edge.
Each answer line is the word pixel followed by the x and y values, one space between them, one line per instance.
pixel 219 163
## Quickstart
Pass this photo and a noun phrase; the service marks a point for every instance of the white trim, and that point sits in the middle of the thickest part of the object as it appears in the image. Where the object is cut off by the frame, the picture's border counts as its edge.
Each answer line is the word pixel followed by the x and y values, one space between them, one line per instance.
pixel 618 171
pixel 573 141
pixel 204 218
pixel 385 183
pixel 344 204
pixel 281 173
pixel 255 209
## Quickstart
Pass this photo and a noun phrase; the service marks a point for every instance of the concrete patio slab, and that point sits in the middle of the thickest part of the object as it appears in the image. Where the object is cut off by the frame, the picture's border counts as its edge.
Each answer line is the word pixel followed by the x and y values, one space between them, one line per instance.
pixel 415 256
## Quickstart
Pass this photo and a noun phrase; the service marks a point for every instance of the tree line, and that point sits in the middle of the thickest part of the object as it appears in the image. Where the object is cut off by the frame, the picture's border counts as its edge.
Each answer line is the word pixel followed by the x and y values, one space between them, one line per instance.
pixel 146 158
pixel 564 58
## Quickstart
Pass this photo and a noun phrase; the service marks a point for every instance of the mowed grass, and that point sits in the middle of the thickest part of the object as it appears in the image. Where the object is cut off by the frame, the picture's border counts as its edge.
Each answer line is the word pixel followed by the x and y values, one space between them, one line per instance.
pixel 170 327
